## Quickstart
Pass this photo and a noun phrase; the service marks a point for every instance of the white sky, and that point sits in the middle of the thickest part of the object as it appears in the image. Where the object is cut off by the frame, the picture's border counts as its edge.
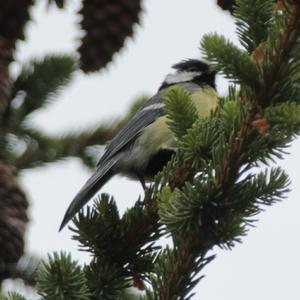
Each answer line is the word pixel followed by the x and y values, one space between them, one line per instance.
pixel 267 264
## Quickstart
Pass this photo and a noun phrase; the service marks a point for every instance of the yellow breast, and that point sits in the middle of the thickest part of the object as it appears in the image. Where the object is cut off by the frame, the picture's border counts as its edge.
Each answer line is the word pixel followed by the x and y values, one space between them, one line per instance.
pixel 205 100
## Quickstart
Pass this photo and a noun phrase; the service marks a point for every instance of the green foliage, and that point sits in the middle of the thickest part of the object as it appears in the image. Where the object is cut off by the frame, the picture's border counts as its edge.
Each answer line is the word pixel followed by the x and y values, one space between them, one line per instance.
pixel 234 63
pixel 199 206
pixel 40 80
pixel 12 296
pixel 138 236
pixel 120 252
pixel 183 286
pixel 39 148
pixel 197 143
pixel 283 122
pixel 106 280
pixel 252 21
pixel 104 232
pixel 223 191
pixel 62 278
pixel 181 111
pixel 284 117
pixel 280 67
pixel 200 142
pixel 212 189
pixel 115 262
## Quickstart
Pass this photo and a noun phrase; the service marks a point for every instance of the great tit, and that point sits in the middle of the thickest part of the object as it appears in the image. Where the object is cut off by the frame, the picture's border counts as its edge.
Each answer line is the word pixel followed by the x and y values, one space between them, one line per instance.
pixel 146 143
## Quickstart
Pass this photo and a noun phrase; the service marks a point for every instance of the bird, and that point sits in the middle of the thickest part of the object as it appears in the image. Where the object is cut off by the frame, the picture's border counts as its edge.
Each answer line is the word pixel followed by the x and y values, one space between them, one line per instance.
pixel 144 146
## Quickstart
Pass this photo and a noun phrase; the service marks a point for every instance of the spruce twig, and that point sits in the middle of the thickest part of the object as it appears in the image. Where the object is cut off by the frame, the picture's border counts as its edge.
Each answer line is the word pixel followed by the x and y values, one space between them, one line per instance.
pixel 242 139
pixel 52 149
pixel 206 195
pixel 42 148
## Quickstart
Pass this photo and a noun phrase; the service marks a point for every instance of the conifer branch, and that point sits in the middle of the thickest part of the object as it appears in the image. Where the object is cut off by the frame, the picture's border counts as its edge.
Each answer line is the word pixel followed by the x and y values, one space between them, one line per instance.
pixel 201 197
pixel 13 296
pixel 208 193
pixel 42 148
pixel 62 278
pixel 243 138
pixel 39 81
pixel 51 149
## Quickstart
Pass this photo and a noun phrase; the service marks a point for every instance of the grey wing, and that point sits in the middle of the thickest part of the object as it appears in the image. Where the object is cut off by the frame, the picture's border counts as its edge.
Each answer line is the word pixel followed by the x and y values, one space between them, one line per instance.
pixel 141 119
pixel 153 109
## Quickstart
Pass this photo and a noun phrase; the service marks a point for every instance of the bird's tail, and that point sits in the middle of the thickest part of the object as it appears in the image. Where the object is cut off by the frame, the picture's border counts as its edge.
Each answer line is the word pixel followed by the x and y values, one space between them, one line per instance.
pixel 102 174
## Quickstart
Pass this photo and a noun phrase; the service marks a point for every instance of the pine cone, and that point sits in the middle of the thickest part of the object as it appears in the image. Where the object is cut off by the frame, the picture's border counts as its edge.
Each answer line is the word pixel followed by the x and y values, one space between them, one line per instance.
pixel 13 16
pixel 229 4
pixel 5 59
pixel 106 25
pixel 13 220
pixel 226 4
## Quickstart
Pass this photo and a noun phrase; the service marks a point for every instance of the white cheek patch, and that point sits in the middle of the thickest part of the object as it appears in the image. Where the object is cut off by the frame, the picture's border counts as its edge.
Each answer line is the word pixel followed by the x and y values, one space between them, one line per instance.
pixel 183 76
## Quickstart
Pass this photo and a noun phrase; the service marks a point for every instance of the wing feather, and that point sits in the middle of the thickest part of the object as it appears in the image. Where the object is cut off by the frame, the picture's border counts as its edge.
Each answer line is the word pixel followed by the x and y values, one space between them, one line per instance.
pixel 144 117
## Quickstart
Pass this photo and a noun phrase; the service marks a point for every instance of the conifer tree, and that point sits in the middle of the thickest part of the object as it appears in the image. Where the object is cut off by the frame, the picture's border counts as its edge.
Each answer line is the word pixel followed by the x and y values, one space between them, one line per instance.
pixel 24 147
pixel 209 192
pixel 211 189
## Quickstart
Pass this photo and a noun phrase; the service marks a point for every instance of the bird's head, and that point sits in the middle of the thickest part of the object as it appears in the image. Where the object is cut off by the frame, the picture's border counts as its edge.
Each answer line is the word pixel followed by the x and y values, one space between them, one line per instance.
pixel 191 70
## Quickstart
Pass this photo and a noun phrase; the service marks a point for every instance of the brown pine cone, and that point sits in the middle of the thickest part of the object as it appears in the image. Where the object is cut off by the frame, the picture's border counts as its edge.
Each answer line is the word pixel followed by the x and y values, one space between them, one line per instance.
pixel 226 4
pixel 13 220
pixel 229 4
pixel 13 16
pixel 5 59
pixel 106 25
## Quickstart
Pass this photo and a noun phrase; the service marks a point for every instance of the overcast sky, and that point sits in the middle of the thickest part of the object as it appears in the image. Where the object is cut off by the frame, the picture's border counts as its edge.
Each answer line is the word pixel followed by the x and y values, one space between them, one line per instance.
pixel 267 264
